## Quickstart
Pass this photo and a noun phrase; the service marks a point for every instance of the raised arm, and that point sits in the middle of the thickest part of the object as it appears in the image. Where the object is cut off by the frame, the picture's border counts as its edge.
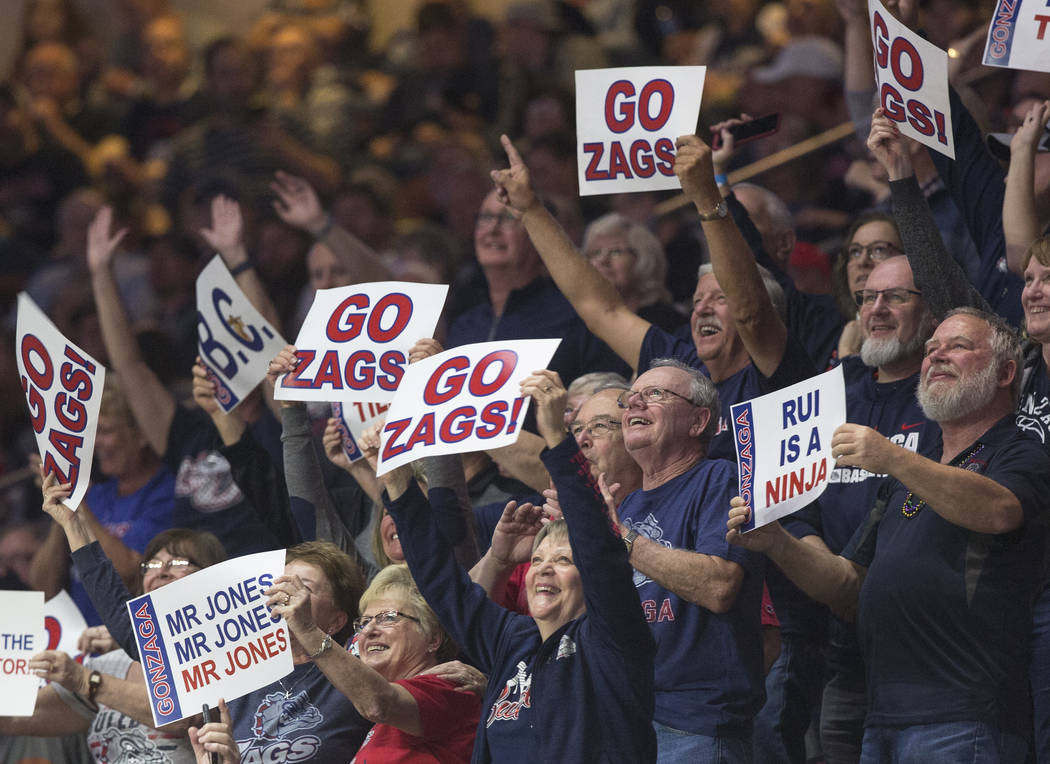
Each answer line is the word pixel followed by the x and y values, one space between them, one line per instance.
pixel 595 300
pixel 226 236
pixel 599 555
pixel 470 618
pixel 760 327
pixel 378 700
pixel 151 403
pixel 297 205
pixel 1021 219
pixel 942 281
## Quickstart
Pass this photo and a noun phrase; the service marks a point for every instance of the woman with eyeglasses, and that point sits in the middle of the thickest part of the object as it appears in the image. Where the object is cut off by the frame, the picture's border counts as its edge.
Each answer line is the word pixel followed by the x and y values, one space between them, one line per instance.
pixel 419 717
pixel 573 682
pixel 300 712
pixel 81 698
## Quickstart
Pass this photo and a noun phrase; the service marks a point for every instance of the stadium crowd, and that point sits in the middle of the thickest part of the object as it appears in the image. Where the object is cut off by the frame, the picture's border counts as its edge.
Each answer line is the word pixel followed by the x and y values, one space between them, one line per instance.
pixel 585 594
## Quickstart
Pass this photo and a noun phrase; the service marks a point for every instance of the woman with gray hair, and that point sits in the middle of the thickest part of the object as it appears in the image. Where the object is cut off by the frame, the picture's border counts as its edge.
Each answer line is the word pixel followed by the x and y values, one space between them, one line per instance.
pixel 573 681
pixel 632 259
pixel 418 716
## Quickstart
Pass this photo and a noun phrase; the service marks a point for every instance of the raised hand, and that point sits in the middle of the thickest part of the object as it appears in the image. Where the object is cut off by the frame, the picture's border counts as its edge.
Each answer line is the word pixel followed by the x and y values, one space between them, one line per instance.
pixel 546 389
pixel 514 533
pixel 283 363
pixel 204 389
pixel 424 349
pixel 297 203
pixel 694 167
pixel 225 232
pixel 1032 129
pixel 54 493
pixel 100 243
pixel 513 186
pixel 721 156
pixel 888 146
pixel 332 440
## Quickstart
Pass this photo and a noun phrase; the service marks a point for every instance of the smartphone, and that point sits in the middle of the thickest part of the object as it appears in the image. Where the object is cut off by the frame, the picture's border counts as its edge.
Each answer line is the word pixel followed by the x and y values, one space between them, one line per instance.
pixel 999 144
pixel 749 131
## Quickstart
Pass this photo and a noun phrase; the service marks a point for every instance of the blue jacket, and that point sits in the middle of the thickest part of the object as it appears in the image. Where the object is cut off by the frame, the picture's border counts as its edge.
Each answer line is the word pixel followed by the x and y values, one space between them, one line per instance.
pixel 586 693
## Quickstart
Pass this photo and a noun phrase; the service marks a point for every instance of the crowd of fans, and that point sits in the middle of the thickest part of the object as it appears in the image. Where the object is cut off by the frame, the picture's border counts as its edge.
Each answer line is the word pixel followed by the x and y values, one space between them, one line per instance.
pixel 601 605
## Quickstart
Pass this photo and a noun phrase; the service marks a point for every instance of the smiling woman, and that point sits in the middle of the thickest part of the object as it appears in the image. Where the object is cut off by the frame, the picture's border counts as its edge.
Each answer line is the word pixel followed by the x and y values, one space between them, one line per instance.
pixel 417 715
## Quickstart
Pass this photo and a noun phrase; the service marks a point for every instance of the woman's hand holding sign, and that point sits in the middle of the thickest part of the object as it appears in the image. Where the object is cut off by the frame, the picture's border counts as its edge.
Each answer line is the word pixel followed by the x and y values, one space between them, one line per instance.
pixel 283 363
pixel 546 389
pixel 216 737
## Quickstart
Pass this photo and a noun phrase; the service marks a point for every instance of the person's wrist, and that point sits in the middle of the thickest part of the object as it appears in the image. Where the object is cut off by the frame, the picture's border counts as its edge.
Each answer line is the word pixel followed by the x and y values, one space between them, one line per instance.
pixel 320 227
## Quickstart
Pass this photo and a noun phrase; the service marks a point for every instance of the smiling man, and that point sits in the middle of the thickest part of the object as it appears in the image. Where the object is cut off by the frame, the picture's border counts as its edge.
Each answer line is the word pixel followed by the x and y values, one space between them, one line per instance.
pixel 700 597
pixel 943 573
pixel 895 323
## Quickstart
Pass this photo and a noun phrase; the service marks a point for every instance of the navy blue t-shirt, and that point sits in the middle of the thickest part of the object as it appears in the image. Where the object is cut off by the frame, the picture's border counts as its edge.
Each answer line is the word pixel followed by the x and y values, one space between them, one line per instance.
pixel 206 496
pixel 1033 415
pixel 746 384
pixel 709 677
pixel 892 409
pixel 945 613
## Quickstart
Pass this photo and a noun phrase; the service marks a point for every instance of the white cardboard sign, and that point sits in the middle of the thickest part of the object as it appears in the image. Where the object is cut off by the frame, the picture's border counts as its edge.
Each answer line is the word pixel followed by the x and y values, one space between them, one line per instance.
pixel 912 78
pixel 1017 36
pixel 20 639
pixel 63 388
pixel 783 445
pixel 233 339
pixel 627 120
pixel 465 399
pixel 209 636
pixel 354 343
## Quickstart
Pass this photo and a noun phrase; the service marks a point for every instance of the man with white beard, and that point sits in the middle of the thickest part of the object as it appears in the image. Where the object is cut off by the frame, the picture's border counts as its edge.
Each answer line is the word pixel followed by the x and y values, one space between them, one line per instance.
pixel 895 323
pixel 942 575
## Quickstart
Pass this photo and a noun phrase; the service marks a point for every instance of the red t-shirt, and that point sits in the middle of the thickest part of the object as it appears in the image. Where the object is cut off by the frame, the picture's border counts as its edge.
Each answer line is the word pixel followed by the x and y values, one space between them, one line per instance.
pixel 450 721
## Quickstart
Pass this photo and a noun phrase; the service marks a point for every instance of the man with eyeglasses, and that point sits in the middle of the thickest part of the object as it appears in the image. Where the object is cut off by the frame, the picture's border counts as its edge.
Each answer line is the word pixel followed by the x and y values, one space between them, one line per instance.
pixel 895 322
pixel 942 573
pixel 700 598
pixel 521 302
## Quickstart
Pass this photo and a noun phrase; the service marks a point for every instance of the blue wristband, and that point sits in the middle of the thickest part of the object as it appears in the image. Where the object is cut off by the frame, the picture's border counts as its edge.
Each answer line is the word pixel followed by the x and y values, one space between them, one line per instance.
pixel 721 179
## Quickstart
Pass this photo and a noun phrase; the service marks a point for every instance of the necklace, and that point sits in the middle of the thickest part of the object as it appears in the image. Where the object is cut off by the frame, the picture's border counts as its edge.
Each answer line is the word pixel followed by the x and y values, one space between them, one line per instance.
pixel 288 690
pixel 911 507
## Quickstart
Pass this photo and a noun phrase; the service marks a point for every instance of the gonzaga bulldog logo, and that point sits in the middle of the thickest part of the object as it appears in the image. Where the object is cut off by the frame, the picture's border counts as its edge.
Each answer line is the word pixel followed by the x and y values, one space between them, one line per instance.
pixel 278 727
pixel 277 716
pixel 650 528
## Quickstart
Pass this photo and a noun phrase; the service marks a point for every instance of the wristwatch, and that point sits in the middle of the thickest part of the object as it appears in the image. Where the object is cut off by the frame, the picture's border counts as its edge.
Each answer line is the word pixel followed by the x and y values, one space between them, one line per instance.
pixel 720 211
pixel 628 541
pixel 94 682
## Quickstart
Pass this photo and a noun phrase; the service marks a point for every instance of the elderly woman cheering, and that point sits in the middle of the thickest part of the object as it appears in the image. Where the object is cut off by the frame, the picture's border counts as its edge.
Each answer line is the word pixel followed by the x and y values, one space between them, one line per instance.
pixel 419 717
pixel 573 682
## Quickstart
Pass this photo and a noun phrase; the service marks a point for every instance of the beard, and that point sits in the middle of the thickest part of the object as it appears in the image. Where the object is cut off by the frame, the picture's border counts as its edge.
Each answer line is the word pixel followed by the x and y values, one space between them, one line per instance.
pixel 966 395
pixel 880 352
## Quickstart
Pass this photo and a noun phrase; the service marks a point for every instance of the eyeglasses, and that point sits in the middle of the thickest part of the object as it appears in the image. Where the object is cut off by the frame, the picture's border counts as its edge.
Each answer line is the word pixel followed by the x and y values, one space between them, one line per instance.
pixel 494 218
pixel 616 253
pixel 177 563
pixel 384 620
pixel 649 395
pixel 596 428
pixel 877 251
pixel 892 297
